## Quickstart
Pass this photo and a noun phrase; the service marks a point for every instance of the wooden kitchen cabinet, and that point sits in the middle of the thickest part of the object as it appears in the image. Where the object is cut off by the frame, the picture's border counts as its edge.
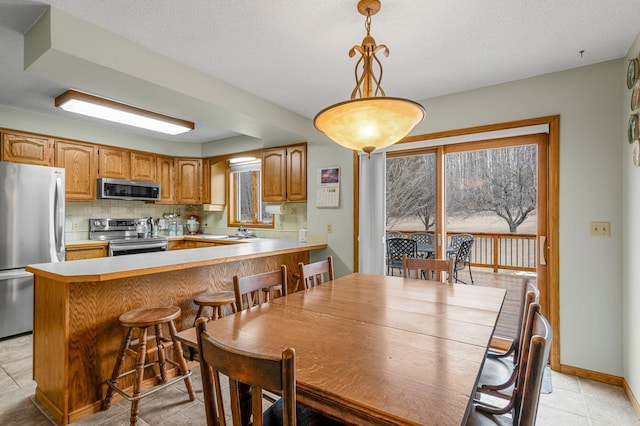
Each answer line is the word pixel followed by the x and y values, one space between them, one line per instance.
pixel 27 149
pixel 86 251
pixel 143 166
pixel 297 173
pixel 206 181
pixel 115 163
pixel 80 161
pixel 189 180
pixel 284 174
pixel 165 175
pixel 217 186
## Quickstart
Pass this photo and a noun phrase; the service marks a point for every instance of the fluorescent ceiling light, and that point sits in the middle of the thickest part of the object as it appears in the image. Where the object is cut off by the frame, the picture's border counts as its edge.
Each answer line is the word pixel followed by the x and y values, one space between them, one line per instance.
pixel 106 109
pixel 241 160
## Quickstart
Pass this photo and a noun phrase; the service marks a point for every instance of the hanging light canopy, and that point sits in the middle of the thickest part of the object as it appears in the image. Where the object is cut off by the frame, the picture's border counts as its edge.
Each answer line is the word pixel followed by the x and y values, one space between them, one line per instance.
pixel 369 120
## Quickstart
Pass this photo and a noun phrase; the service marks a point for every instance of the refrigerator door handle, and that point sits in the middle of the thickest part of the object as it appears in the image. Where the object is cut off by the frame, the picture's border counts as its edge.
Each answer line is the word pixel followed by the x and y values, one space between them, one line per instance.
pixel 58 221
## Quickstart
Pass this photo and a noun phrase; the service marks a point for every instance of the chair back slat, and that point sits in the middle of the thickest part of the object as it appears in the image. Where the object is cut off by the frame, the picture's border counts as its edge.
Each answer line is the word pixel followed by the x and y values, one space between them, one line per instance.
pixel 428 268
pixel 256 289
pixel 534 359
pixel 316 273
pixel 421 237
pixel 243 368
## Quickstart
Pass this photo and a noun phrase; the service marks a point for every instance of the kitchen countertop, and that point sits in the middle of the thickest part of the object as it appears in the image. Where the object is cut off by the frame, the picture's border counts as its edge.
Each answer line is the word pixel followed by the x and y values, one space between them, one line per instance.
pixel 207 237
pixel 106 268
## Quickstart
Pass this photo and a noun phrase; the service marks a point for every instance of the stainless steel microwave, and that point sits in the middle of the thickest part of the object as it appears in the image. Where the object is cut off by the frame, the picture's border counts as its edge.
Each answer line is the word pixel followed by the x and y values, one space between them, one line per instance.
pixel 118 189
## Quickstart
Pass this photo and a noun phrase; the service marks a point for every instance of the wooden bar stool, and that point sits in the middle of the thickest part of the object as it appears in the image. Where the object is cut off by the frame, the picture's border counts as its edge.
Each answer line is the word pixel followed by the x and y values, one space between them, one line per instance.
pixel 216 300
pixel 141 319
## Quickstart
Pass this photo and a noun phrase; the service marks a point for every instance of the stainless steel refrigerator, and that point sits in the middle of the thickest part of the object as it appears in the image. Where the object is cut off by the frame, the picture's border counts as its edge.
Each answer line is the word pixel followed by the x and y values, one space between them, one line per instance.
pixel 31 231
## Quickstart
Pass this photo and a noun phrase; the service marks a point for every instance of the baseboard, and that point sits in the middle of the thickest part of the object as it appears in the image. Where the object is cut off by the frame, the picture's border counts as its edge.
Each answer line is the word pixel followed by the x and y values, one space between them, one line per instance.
pixel 631 396
pixel 592 375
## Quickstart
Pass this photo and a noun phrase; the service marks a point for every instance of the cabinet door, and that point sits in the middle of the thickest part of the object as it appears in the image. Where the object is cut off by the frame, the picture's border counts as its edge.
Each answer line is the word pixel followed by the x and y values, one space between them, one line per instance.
pixel 90 252
pixel 189 177
pixel 80 162
pixel 206 181
pixel 274 175
pixel 165 175
pixel 27 149
pixel 115 163
pixel 143 166
pixel 219 185
pixel 297 173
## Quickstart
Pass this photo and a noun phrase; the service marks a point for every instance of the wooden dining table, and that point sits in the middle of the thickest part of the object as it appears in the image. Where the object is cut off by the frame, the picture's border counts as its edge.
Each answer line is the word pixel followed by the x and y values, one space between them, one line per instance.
pixel 375 349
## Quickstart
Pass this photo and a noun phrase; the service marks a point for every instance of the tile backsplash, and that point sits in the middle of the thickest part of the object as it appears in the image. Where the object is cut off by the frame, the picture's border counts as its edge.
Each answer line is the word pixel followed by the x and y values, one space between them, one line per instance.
pixel 78 213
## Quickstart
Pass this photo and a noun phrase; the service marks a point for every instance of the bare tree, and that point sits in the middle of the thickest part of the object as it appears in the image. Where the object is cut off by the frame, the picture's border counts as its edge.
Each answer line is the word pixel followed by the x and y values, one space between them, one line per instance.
pixel 410 189
pixel 502 181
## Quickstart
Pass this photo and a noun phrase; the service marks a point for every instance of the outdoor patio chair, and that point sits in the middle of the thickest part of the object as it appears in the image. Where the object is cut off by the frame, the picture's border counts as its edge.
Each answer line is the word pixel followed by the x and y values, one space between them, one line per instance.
pixel 397 248
pixel 424 240
pixel 394 234
pixel 461 245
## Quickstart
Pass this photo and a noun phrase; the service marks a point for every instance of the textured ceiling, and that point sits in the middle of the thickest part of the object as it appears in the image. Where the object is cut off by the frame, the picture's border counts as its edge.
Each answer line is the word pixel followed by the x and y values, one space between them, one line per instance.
pixel 294 53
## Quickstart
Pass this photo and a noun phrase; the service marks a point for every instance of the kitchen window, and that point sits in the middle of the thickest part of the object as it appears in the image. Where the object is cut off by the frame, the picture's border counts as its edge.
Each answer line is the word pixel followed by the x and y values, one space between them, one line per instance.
pixel 246 208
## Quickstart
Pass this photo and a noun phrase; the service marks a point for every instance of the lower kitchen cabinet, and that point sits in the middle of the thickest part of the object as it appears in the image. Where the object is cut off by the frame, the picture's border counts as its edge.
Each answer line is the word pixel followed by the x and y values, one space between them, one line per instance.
pixel 86 251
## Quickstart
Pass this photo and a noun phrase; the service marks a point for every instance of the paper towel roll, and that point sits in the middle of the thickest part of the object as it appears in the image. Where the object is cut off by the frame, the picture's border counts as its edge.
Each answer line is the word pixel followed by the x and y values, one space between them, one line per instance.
pixel 276 208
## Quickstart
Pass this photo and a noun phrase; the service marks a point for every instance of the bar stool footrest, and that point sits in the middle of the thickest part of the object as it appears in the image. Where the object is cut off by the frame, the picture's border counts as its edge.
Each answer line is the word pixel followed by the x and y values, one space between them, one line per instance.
pixel 154 389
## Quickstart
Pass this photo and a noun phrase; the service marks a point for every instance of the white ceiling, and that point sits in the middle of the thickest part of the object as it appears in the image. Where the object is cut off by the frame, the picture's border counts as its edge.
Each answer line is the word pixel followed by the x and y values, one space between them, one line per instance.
pixel 294 53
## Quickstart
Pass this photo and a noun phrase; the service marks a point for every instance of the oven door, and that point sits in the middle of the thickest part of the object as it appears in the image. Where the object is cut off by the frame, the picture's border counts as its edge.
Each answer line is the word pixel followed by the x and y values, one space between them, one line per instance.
pixel 122 249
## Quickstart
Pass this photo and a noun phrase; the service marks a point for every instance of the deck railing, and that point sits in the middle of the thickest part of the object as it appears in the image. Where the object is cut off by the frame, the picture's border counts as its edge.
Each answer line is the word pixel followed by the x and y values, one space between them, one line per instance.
pixel 501 250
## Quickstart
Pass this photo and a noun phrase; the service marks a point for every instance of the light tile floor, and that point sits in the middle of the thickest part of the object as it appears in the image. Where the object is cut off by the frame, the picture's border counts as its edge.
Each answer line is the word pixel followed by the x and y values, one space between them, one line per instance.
pixel 574 401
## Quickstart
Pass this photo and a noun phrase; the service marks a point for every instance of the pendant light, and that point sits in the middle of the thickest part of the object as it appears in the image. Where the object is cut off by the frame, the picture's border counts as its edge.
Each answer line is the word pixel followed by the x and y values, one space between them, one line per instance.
pixel 369 120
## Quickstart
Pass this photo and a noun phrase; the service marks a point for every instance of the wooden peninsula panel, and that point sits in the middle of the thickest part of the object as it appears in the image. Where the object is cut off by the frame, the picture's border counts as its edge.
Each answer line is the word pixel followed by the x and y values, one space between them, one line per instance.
pixel 76 332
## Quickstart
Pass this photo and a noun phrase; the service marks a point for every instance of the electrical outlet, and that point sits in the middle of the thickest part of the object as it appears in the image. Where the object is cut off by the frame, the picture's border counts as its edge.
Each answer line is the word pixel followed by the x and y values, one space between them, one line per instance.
pixel 329 228
pixel 75 226
pixel 601 229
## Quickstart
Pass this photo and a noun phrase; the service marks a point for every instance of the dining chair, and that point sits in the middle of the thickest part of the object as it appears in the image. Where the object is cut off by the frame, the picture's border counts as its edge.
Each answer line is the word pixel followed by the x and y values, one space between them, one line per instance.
pixel 244 369
pixel 257 289
pixel 500 370
pixel 430 269
pixel 525 300
pixel 523 407
pixel 394 234
pixel 424 239
pixel 461 252
pixel 396 249
pixel 313 274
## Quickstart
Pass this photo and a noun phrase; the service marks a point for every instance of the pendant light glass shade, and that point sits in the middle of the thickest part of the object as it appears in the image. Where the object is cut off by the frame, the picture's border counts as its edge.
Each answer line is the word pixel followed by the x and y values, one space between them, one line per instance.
pixel 369 123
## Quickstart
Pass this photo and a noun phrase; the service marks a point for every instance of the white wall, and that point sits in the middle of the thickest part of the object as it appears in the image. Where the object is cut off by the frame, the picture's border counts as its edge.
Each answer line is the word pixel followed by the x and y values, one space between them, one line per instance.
pixel 631 245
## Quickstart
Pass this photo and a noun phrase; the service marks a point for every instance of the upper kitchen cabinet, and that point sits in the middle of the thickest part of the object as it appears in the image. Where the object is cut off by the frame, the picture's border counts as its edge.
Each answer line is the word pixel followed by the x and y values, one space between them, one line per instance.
pixel 206 181
pixel 143 166
pixel 28 149
pixel 189 181
pixel 80 161
pixel 284 174
pixel 115 163
pixel 165 175
pixel 218 186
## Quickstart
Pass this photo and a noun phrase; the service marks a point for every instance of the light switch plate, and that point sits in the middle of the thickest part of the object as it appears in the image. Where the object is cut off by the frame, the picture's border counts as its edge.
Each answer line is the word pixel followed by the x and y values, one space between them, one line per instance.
pixel 601 229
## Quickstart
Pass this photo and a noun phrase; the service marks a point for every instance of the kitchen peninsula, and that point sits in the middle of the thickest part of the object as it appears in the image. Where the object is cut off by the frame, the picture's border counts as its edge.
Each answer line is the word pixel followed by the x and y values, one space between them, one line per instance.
pixel 76 334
